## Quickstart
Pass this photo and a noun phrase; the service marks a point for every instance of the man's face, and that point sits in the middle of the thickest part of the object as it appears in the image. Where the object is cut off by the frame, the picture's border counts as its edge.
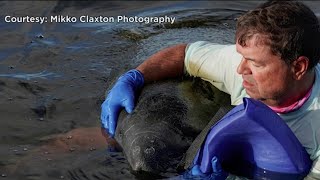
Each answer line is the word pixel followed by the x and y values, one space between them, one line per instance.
pixel 265 76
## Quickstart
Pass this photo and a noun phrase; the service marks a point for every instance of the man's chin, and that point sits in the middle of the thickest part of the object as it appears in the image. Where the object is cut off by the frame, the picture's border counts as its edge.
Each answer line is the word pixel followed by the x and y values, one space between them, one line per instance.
pixel 257 96
pixel 251 94
pixel 254 95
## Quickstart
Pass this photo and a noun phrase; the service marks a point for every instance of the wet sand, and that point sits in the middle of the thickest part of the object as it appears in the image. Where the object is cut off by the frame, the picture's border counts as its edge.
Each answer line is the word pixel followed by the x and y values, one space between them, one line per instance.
pixel 53 78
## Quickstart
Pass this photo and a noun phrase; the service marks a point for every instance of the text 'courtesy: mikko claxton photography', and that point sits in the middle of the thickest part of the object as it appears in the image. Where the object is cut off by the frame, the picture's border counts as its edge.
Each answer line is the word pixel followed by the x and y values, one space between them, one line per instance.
pixel 89 19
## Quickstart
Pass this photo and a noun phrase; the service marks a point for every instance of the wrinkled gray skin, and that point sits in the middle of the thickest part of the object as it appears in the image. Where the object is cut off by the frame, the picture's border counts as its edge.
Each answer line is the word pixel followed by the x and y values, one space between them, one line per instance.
pixel 167 118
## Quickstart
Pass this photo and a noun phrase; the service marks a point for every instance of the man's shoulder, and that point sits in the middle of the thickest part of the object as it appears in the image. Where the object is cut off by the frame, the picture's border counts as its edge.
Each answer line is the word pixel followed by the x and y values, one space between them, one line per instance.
pixel 208 44
pixel 317 68
pixel 317 82
pixel 211 49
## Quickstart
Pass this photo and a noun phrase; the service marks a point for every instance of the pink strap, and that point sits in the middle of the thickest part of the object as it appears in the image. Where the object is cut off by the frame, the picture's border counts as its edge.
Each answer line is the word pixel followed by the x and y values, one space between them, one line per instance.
pixel 296 105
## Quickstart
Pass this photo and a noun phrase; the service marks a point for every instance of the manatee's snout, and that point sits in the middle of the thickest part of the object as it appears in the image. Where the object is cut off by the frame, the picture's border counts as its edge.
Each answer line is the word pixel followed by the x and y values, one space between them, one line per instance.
pixel 147 153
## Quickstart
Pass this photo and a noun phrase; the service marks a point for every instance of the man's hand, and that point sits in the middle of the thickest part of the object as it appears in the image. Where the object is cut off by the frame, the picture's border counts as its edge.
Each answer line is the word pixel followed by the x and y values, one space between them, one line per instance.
pixel 122 95
pixel 217 172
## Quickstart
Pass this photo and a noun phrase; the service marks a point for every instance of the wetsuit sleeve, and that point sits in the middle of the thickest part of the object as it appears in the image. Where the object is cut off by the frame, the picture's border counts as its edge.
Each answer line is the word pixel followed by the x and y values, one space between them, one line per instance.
pixel 217 64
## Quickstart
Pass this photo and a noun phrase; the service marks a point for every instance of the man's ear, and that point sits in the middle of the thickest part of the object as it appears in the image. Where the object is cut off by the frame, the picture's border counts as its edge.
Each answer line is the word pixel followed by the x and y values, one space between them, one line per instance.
pixel 300 67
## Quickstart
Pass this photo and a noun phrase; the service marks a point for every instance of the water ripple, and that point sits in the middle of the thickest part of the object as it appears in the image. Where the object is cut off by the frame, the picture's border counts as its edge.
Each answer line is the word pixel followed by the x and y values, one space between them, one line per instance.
pixel 29 76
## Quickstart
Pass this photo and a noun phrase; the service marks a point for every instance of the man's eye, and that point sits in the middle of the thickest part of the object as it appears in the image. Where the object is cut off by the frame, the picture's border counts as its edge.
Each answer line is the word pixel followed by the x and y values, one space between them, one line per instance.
pixel 255 65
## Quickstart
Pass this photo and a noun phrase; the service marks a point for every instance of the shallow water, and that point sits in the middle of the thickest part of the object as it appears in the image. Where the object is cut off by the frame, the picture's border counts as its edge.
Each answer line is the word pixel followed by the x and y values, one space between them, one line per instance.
pixel 53 77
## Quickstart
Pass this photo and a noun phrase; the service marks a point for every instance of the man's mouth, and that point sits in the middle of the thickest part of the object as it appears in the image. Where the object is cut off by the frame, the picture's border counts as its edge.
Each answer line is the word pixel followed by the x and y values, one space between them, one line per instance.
pixel 246 84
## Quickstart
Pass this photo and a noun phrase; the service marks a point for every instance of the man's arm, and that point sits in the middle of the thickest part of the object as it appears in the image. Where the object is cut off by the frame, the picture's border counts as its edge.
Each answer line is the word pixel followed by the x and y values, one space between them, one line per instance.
pixel 166 63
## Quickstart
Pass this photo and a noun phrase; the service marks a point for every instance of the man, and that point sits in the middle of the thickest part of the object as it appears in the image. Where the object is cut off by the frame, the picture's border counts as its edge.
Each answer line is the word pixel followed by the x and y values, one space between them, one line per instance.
pixel 275 60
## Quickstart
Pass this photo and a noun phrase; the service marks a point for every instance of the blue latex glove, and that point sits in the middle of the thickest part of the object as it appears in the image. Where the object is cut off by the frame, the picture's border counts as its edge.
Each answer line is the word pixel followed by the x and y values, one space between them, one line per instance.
pixel 217 172
pixel 122 95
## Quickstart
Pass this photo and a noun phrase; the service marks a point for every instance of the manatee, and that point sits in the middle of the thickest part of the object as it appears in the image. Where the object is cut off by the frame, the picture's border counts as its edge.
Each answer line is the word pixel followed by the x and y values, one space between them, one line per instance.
pixel 167 118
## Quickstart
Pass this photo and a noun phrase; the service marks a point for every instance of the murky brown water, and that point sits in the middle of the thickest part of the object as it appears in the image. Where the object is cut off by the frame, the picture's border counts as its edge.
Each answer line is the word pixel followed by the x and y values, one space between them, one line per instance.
pixel 53 77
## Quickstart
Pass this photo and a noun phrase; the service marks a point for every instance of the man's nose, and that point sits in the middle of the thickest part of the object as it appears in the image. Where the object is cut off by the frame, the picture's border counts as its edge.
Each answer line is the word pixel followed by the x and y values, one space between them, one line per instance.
pixel 243 67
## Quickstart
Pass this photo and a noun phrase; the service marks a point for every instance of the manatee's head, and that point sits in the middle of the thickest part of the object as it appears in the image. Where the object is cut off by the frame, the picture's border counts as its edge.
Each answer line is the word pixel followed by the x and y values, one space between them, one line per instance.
pixel 152 149
pixel 148 153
